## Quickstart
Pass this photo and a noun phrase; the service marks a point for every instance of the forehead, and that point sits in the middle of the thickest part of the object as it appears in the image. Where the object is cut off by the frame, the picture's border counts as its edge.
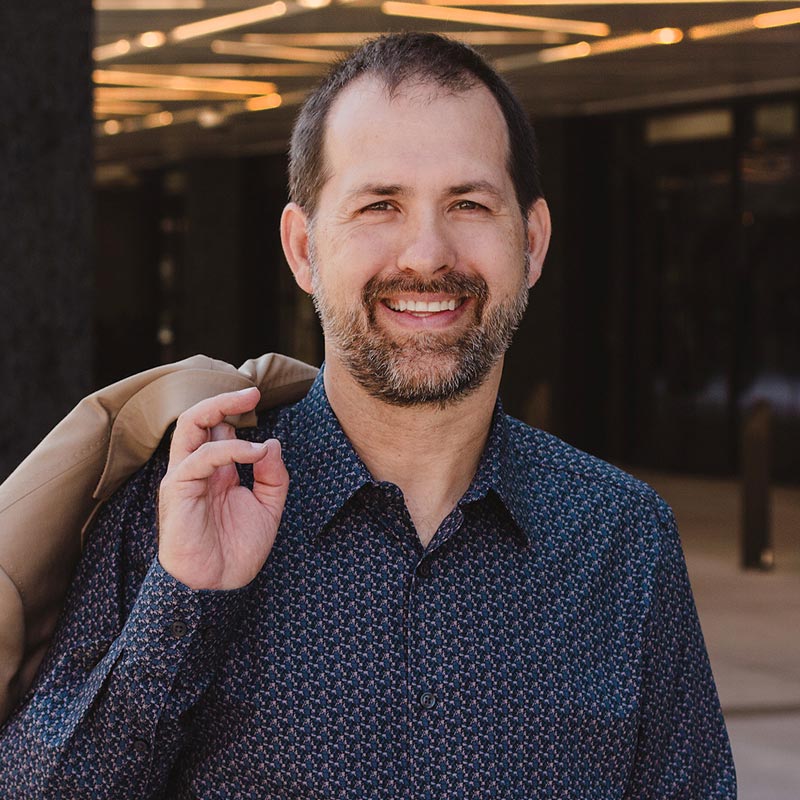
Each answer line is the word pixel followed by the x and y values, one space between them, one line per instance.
pixel 417 128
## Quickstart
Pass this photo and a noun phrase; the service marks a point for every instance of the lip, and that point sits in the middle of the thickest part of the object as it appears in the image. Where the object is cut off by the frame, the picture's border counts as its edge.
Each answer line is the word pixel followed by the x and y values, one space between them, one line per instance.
pixel 431 321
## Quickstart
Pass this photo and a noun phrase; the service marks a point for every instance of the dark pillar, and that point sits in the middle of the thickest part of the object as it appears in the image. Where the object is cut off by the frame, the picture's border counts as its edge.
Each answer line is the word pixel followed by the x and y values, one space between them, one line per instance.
pixel 45 218
pixel 210 320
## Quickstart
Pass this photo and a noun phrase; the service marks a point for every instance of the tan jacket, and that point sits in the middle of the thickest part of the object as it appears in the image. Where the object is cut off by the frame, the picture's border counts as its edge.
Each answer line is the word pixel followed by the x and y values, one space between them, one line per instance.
pixel 48 501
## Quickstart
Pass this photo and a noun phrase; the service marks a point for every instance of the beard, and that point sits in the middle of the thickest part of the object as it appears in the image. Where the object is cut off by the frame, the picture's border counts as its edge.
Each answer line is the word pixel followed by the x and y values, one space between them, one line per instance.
pixel 421 368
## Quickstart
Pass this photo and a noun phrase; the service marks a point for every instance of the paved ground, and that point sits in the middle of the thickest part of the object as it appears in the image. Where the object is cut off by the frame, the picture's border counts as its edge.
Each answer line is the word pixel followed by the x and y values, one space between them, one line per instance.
pixel 751 621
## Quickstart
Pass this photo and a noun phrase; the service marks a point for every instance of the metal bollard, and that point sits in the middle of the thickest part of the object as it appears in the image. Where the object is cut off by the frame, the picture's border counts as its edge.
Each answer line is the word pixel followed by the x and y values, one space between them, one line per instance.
pixel 756 539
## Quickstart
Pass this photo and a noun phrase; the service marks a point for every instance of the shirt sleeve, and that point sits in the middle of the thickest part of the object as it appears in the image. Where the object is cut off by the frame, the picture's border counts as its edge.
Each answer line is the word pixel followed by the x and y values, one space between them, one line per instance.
pixel 135 649
pixel 682 749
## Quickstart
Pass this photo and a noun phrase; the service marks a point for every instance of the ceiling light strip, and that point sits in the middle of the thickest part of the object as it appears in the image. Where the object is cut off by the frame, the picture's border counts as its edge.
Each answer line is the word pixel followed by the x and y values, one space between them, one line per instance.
pixel 227 22
pixel 549 55
pixel 776 19
pixel 181 82
pixel 205 116
pixel 116 49
pixel 148 5
pixel 731 27
pixel 122 108
pixel 494 19
pixel 253 50
pixel 194 30
pixel 231 70
pixel 146 94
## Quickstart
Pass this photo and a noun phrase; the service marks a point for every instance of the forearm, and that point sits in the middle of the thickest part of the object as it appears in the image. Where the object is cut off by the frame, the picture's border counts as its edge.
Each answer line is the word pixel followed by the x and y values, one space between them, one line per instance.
pixel 111 729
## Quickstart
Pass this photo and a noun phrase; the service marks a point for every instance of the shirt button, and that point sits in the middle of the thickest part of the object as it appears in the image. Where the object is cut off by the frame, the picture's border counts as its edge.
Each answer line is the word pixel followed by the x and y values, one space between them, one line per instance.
pixel 424 568
pixel 209 633
pixel 140 747
pixel 178 629
pixel 427 699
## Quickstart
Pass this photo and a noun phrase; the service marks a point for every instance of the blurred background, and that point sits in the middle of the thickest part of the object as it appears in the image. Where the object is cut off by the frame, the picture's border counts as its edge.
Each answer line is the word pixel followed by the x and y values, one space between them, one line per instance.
pixel 142 176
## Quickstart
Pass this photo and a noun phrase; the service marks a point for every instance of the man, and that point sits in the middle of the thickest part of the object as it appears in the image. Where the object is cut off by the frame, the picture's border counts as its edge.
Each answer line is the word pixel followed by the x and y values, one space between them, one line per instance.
pixel 389 589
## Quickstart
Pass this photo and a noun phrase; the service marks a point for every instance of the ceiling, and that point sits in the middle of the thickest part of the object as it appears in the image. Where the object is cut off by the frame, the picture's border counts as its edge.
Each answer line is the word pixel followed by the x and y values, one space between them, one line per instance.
pixel 178 78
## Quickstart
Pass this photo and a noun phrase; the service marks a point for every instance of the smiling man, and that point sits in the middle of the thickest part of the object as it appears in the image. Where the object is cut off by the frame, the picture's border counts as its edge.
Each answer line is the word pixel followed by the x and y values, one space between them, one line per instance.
pixel 421 254
pixel 389 589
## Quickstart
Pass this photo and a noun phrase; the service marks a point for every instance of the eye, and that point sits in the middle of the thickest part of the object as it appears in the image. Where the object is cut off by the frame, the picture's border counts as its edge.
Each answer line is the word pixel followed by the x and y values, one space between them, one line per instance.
pixel 468 205
pixel 380 205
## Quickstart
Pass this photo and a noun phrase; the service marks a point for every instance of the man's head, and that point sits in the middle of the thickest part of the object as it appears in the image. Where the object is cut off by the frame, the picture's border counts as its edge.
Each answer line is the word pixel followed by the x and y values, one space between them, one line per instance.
pixel 414 233
pixel 398 59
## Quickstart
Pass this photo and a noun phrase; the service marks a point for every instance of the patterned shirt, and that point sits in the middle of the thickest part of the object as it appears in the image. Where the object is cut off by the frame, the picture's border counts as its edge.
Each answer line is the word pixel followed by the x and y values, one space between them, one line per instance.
pixel 544 645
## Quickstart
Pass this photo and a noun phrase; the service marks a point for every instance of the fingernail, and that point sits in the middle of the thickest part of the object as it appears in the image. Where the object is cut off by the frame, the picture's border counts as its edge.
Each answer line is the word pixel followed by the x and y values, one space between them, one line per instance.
pixel 260 445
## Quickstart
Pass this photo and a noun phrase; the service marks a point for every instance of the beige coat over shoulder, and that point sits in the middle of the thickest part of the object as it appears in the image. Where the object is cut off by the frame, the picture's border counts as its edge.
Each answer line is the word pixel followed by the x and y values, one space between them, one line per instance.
pixel 48 501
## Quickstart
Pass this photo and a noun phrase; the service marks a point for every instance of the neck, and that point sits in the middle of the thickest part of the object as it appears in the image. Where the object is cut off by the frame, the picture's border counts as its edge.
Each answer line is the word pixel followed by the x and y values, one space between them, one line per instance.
pixel 430 452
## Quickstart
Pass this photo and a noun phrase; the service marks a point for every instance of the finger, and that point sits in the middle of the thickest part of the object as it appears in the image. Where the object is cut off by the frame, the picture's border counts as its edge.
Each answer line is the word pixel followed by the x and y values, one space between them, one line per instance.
pixel 210 456
pixel 270 478
pixel 222 432
pixel 195 423
pixel 269 470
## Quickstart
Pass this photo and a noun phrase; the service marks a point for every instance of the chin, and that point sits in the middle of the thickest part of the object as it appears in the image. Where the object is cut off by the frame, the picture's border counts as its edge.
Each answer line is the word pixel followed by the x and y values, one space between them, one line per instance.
pixel 417 379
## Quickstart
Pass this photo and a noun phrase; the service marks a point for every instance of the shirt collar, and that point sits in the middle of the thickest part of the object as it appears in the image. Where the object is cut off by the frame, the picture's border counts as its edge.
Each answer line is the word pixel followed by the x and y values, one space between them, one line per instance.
pixel 322 454
pixel 333 472
pixel 499 475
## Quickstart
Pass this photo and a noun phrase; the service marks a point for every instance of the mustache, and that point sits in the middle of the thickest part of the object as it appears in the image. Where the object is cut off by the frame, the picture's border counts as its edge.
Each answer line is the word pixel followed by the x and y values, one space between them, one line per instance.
pixel 453 283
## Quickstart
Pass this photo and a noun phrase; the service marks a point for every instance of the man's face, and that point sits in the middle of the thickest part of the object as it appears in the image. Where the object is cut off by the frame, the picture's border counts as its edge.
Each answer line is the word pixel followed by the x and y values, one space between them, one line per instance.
pixel 418 250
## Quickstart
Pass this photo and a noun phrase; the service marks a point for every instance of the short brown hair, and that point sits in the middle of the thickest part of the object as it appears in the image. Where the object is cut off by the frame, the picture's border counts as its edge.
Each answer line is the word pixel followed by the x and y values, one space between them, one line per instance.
pixel 396 58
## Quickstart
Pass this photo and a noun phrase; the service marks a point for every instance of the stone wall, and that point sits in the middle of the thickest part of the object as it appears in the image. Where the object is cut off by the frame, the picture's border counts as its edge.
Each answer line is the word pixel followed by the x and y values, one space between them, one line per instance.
pixel 45 218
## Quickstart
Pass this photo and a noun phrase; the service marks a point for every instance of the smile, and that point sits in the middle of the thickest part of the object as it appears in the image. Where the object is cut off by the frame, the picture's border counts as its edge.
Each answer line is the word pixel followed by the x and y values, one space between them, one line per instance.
pixel 423 306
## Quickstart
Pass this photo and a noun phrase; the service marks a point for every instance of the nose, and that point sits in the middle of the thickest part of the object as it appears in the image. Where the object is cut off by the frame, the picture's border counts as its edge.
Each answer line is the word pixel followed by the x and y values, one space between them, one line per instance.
pixel 426 247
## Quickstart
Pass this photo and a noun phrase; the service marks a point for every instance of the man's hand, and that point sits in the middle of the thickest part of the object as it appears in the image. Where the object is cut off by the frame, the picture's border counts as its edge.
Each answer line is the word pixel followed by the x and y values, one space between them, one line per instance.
pixel 213 532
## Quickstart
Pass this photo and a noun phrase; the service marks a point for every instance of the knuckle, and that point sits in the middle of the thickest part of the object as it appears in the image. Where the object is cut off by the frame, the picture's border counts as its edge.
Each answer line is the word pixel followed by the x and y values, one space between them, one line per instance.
pixel 206 449
pixel 198 413
pixel 167 482
pixel 183 427
pixel 187 417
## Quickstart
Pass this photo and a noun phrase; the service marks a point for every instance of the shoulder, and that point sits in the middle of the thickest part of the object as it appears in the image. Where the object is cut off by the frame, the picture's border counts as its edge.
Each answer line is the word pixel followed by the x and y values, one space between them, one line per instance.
pixel 141 487
pixel 575 481
pixel 131 509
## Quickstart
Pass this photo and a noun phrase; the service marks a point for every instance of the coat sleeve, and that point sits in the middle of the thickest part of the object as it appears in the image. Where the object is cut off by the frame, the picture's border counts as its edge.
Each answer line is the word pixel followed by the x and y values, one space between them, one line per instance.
pixel 682 749
pixel 135 649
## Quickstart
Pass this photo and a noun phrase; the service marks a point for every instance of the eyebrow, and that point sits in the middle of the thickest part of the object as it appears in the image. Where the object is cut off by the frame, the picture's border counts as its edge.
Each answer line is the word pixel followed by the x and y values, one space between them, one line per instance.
pixel 377 189
pixel 394 189
pixel 474 186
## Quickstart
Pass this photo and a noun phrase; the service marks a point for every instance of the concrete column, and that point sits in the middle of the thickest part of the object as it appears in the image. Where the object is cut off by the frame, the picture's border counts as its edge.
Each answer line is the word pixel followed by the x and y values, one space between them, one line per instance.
pixel 45 218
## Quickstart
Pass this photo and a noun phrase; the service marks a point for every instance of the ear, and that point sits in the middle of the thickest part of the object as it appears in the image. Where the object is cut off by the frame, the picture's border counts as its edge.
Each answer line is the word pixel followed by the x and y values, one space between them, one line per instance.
pixel 538 231
pixel 294 238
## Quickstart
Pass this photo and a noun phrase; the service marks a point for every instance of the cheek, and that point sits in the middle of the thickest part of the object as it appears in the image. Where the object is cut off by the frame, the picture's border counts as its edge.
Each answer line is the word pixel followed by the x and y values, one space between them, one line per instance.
pixel 489 246
pixel 356 250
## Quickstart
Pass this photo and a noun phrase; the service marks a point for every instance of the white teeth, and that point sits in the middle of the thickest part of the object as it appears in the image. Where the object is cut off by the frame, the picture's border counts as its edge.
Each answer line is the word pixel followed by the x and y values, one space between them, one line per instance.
pixel 420 306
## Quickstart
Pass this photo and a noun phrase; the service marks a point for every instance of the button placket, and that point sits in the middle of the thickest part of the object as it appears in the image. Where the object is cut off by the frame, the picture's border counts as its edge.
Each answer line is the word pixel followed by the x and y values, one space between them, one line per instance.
pixel 425 696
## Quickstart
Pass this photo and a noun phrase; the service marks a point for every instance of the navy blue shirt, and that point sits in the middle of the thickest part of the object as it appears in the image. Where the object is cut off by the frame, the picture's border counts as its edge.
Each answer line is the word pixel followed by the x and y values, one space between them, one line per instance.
pixel 544 645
